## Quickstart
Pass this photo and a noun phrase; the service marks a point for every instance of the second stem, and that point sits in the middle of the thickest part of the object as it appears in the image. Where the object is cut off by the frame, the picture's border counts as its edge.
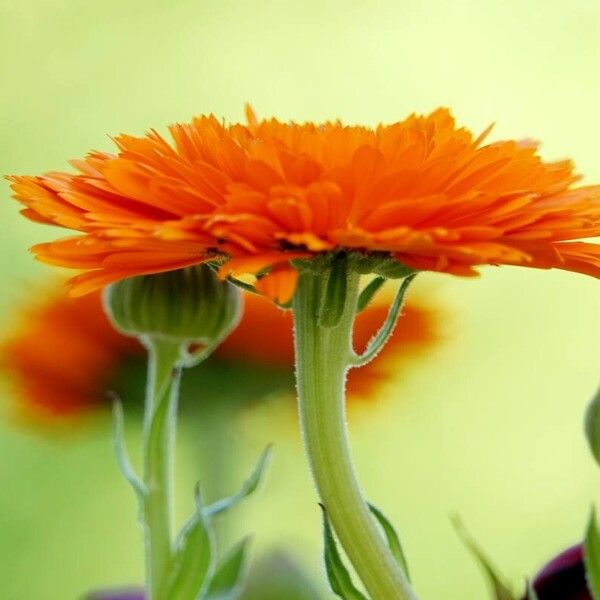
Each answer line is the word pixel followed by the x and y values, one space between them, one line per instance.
pixel 159 447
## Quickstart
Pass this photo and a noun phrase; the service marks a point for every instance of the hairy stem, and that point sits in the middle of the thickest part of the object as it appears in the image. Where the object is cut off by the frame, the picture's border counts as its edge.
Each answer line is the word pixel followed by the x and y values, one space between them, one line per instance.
pixel 159 447
pixel 323 355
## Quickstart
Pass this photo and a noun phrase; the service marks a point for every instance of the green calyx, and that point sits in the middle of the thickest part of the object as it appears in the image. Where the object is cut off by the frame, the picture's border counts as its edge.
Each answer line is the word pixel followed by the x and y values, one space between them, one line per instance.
pixel 364 263
pixel 333 302
pixel 379 263
pixel 185 305
pixel 334 268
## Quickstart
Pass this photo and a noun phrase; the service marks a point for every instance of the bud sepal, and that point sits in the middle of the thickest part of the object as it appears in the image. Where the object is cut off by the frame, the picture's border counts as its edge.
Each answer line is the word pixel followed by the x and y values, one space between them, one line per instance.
pixel 187 305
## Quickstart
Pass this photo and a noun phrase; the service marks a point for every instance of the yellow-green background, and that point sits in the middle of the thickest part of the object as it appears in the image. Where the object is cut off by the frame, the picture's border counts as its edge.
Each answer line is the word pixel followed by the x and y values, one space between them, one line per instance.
pixel 490 426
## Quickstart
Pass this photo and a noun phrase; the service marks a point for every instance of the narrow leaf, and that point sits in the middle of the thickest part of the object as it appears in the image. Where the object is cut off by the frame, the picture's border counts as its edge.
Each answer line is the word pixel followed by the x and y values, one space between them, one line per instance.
pixel 393 269
pixel 226 583
pixel 339 577
pixel 392 539
pixel 247 488
pixel 192 559
pixel 242 285
pixel 591 556
pixel 159 423
pixel 368 292
pixel 121 453
pixel 333 302
pixel 592 426
pixel 381 337
pixel 499 588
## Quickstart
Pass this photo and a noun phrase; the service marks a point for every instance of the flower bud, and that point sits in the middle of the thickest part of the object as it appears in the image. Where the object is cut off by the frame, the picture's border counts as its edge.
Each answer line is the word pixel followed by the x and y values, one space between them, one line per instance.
pixel 563 577
pixel 185 305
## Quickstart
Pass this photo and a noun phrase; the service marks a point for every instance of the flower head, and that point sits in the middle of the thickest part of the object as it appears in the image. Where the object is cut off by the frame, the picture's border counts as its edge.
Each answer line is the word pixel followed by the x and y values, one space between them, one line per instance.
pixel 54 377
pixel 563 578
pixel 62 355
pixel 422 191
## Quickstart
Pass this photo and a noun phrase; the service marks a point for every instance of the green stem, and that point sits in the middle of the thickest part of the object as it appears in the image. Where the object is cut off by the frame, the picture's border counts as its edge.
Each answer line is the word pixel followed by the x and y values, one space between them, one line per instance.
pixel 158 451
pixel 323 355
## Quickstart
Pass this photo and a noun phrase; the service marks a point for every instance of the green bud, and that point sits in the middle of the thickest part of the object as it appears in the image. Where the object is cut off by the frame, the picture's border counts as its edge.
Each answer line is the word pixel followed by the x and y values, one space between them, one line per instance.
pixel 187 305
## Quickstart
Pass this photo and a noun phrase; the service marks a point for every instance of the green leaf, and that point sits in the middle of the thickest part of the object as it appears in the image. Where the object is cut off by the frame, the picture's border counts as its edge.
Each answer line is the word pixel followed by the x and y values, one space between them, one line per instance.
pixel 122 455
pixel 392 539
pixel 393 269
pixel 382 336
pixel 242 285
pixel 159 424
pixel 499 588
pixel 193 557
pixel 591 556
pixel 378 263
pixel 333 302
pixel 368 292
pixel 247 488
pixel 339 577
pixel 226 582
pixel 592 426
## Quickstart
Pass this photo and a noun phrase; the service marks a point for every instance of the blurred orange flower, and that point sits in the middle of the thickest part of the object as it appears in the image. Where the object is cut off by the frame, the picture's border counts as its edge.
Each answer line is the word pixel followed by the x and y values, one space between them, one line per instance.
pixel 430 194
pixel 63 355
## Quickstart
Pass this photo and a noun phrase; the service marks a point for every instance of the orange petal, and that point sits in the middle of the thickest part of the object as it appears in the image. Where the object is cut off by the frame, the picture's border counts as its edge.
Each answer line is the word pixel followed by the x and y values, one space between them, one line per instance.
pixel 279 285
pixel 257 262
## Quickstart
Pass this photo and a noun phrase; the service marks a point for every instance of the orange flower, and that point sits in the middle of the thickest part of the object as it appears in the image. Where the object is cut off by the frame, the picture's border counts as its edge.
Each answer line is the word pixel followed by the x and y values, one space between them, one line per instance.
pixel 426 192
pixel 64 355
